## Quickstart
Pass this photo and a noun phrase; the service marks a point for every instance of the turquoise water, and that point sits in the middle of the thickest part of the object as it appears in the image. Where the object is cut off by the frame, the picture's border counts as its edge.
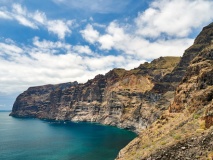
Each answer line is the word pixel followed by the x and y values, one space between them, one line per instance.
pixel 33 139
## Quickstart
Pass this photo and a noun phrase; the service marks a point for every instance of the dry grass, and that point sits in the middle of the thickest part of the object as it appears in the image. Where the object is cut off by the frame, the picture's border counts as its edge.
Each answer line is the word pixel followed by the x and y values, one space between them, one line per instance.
pixel 162 63
pixel 159 135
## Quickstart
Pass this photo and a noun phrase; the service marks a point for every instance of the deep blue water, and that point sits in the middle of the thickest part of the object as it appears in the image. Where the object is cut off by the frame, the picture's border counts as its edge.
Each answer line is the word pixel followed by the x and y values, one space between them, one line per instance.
pixel 33 139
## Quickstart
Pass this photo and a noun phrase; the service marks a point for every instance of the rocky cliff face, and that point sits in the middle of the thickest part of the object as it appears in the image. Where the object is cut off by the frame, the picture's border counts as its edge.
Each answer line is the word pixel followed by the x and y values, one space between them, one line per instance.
pixel 121 98
pixel 185 130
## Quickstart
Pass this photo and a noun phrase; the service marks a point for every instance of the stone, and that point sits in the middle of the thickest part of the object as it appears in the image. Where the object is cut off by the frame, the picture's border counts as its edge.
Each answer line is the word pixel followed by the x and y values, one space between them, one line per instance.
pixel 183 148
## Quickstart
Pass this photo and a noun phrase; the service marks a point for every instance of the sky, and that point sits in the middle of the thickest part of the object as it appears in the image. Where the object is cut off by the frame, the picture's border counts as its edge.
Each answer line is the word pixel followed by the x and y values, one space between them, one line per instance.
pixel 56 41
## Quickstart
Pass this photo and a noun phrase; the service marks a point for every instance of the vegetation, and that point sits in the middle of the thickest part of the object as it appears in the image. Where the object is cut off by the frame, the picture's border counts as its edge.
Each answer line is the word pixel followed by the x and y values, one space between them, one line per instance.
pixel 161 63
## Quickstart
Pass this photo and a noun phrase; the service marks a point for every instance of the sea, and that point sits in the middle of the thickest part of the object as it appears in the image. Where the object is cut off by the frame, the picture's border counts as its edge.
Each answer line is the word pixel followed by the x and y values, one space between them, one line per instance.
pixel 34 139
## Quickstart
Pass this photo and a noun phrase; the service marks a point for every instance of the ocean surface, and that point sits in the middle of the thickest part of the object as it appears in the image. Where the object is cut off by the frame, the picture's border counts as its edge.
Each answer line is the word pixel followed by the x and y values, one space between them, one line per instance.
pixel 34 139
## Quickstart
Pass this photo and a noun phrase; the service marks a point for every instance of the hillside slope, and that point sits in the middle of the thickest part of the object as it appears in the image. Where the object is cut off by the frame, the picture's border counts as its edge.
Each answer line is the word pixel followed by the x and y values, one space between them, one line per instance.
pixel 185 130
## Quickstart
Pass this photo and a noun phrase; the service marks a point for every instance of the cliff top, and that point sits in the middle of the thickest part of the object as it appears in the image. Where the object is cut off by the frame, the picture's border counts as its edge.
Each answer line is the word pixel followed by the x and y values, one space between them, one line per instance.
pixel 161 63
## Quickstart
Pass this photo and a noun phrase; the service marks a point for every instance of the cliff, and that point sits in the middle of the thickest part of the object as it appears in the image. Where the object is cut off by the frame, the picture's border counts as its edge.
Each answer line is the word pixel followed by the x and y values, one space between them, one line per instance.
pixel 121 98
pixel 185 130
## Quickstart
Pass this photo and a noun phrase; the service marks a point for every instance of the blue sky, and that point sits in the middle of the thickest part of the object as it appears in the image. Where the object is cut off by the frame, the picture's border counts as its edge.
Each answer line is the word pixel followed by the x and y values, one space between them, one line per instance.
pixel 55 41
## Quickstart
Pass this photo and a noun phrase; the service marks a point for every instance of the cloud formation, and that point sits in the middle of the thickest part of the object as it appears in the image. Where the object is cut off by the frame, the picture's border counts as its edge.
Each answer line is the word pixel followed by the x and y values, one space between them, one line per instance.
pixel 164 29
pixel 118 39
pixel 90 34
pixel 52 62
pixel 37 20
pixel 173 18
pixel 83 50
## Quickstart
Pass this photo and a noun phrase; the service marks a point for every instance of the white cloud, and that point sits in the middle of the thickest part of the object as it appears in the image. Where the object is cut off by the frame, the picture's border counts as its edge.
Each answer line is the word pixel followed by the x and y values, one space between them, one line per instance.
pixel 9 49
pixel 106 63
pixel 24 21
pixel 45 44
pixel 21 15
pixel 117 38
pixel 59 27
pixel 37 19
pixel 174 18
pixel 106 42
pixel 90 34
pixel 18 9
pixel 163 29
pixel 115 35
pixel 38 64
pixel 83 50
pixel 40 17
pixel 5 15
pixel 101 62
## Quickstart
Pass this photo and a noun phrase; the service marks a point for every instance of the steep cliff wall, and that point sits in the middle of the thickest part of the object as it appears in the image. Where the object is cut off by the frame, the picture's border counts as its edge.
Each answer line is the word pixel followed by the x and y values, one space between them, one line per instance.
pixel 195 90
pixel 121 98
pixel 185 130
